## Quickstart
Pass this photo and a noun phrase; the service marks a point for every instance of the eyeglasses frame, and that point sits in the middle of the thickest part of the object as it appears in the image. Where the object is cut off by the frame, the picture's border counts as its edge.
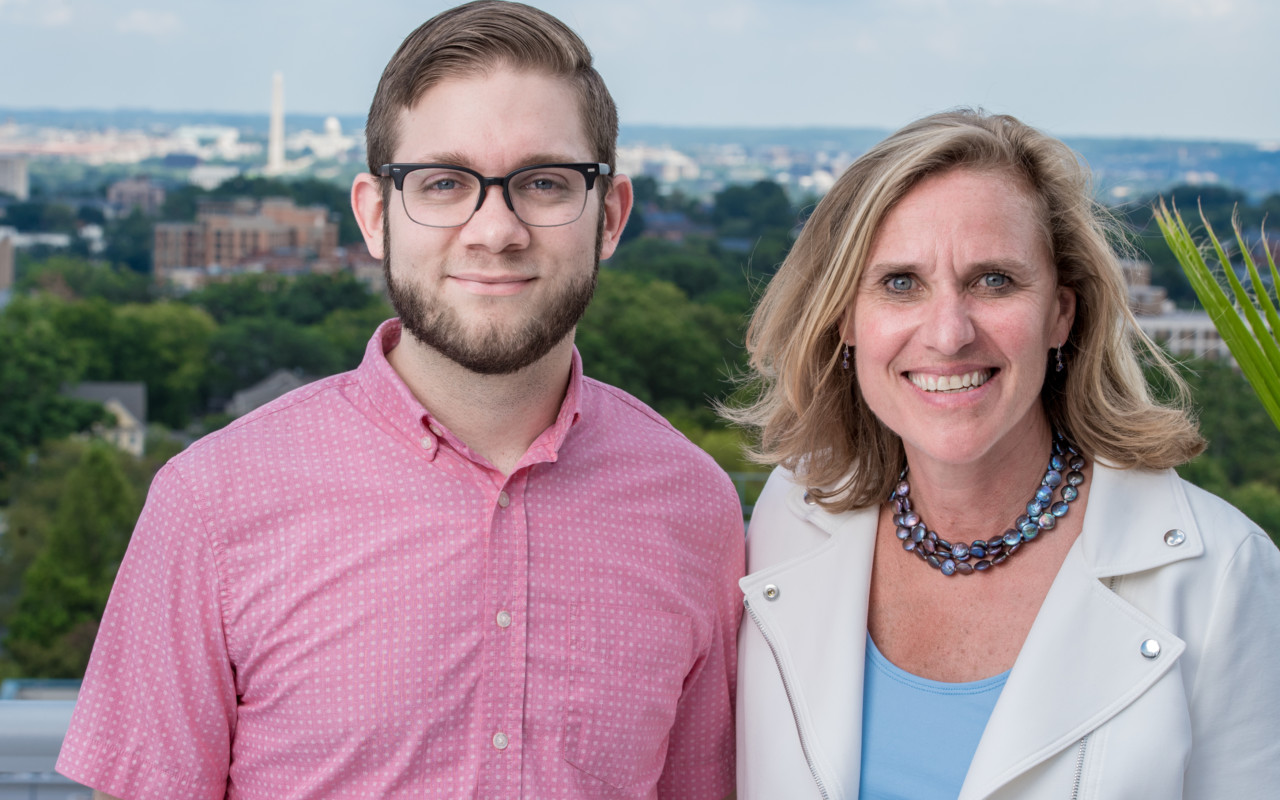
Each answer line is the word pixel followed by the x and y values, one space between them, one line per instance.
pixel 398 171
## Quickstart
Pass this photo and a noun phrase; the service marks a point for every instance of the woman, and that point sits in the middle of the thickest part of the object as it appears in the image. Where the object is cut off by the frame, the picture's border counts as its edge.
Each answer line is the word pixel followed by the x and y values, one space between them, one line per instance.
pixel 974 572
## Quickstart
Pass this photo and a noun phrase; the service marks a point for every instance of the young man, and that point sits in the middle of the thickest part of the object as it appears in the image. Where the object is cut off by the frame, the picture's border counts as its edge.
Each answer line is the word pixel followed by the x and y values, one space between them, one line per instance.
pixel 463 569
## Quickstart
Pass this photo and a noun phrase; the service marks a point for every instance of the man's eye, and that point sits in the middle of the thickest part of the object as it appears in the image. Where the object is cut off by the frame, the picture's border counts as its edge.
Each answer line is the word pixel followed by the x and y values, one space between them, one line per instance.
pixel 995 280
pixel 901 283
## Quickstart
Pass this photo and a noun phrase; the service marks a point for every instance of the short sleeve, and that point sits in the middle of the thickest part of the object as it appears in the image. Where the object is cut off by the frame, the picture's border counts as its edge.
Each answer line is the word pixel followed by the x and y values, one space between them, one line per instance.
pixel 700 753
pixel 157 708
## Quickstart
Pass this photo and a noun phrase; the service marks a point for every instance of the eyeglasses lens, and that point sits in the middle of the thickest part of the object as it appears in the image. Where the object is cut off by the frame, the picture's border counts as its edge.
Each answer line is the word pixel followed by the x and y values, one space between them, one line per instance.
pixel 541 197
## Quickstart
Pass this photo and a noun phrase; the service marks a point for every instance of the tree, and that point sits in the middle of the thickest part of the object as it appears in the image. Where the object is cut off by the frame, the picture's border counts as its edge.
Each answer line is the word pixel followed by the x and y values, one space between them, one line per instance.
pixel 166 346
pixel 244 351
pixel 130 241
pixel 55 618
pixel 347 331
pixel 752 210
pixel 37 363
pixel 651 340
pixel 69 277
pixel 308 299
pixel 251 296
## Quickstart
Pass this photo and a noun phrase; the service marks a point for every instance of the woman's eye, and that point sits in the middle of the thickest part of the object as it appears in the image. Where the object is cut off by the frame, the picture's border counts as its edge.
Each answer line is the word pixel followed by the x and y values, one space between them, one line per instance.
pixel 901 283
pixel 995 280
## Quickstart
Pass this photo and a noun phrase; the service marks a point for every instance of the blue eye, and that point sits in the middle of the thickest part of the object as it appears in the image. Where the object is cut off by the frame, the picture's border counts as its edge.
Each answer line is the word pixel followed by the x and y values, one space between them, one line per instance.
pixel 901 283
pixel 995 280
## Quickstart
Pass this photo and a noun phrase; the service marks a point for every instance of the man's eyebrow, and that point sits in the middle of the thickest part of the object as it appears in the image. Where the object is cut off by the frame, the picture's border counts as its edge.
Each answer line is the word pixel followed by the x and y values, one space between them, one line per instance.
pixel 459 160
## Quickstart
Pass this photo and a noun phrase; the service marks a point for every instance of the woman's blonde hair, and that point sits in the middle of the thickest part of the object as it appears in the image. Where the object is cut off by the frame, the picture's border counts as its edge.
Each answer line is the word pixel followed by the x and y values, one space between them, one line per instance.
pixel 810 413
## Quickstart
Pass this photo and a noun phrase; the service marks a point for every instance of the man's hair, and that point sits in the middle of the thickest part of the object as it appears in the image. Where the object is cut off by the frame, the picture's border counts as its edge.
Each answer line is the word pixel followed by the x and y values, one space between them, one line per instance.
pixel 475 39
pixel 810 413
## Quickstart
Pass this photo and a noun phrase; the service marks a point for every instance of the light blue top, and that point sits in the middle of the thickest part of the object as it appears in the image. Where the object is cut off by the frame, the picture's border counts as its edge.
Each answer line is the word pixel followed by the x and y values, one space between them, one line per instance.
pixel 918 735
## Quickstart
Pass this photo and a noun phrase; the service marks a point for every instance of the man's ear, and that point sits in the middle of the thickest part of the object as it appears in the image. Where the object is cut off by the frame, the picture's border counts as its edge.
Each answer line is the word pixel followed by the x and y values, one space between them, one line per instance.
pixel 366 203
pixel 617 207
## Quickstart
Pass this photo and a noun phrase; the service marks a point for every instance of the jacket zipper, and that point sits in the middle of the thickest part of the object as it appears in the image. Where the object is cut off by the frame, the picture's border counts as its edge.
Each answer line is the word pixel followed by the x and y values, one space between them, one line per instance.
pixel 786 687
pixel 1075 789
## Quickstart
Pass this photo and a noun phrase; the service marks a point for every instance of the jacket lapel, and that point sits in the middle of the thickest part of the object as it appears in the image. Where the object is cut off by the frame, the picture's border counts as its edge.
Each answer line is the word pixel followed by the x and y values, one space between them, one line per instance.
pixel 820 597
pixel 1081 663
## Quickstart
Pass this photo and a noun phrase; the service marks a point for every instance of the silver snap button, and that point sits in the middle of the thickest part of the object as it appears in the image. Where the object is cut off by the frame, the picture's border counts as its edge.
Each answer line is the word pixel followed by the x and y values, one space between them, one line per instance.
pixel 1174 537
pixel 500 741
pixel 504 619
pixel 809 499
pixel 504 499
pixel 771 592
pixel 1150 648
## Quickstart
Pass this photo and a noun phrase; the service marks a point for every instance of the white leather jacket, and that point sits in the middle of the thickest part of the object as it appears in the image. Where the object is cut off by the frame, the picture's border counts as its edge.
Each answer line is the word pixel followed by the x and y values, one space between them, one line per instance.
pixel 1090 710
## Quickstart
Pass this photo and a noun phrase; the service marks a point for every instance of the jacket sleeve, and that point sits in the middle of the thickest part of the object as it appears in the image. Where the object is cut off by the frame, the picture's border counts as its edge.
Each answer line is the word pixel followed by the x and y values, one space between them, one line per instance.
pixel 1235 698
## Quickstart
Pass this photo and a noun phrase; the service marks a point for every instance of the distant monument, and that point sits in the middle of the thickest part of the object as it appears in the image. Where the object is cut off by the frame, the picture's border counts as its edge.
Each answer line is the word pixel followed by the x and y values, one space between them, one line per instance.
pixel 275 135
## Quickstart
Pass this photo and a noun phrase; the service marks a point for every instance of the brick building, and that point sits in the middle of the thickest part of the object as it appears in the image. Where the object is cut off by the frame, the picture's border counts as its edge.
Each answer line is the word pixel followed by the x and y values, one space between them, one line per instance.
pixel 236 235
pixel 140 193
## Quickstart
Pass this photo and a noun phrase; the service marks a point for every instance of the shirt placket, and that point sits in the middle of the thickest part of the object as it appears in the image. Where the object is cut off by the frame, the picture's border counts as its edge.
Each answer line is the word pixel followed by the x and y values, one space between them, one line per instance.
pixel 505 640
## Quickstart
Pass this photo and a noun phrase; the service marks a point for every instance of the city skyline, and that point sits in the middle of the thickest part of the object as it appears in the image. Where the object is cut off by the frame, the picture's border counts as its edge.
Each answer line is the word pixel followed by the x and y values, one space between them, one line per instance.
pixel 1194 69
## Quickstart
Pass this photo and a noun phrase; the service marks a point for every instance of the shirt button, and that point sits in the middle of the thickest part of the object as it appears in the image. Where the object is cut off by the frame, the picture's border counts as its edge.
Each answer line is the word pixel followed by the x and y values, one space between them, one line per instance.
pixel 1150 648
pixel 1174 537
pixel 504 499
pixel 504 619
pixel 500 741
pixel 434 428
pixel 428 442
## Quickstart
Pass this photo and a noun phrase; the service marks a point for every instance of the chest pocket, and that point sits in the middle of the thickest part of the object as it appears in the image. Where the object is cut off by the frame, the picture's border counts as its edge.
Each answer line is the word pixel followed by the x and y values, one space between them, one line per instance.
pixel 627 667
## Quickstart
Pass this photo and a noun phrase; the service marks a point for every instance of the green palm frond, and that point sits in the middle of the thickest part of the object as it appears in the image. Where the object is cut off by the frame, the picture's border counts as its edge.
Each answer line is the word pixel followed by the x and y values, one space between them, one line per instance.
pixel 1248 322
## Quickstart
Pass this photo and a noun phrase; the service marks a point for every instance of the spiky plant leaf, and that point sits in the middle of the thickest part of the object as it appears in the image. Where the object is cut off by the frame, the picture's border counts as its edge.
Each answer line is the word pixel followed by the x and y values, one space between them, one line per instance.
pixel 1255 345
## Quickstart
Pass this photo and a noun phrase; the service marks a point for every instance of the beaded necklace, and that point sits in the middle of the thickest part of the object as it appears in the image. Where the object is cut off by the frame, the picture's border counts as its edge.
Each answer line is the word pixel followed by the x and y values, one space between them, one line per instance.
pixel 981 555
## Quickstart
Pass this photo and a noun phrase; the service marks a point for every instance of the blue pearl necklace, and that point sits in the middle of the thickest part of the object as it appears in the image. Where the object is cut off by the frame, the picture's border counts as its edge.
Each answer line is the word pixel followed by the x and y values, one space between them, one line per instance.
pixel 981 555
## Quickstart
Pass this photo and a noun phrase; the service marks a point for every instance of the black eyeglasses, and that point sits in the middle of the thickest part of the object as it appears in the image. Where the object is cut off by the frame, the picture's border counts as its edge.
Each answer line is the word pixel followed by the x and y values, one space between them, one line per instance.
pixel 446 195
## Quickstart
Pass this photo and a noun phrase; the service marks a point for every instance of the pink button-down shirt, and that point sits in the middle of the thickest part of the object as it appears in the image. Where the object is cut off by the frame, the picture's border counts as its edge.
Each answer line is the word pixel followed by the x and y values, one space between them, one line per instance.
pixel 335 598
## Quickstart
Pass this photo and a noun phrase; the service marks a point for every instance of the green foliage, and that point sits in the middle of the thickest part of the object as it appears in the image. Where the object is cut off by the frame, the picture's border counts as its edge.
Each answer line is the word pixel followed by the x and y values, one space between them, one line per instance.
pixel 750 210
pixel 1242 461
pixel 1219 205
pixel 305 300
pixel 39 217
pixel 1261 503
pixel 1244 446
pixel 54 620
pixel 244 351
pixel 35 366
pixel 70 277
pixel 167 346
pixel 130 241
pixel 347 331
pixel 698 267
pixel 1256 346
pixel 651 340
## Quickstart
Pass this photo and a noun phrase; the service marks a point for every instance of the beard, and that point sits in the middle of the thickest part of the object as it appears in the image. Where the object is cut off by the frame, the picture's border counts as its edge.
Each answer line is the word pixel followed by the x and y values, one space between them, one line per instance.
pixel 494 351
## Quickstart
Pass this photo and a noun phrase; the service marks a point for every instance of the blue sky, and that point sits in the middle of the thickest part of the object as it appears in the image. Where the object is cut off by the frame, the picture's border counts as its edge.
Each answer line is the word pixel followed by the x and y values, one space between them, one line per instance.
pixel 1166 68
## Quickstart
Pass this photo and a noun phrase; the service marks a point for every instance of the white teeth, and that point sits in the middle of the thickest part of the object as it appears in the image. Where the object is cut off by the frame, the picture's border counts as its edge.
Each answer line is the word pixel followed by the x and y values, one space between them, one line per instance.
pixel 951 383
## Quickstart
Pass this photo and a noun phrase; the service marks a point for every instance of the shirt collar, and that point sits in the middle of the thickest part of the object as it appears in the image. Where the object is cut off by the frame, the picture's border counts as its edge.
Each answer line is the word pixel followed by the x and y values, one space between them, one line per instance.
pixel 392 397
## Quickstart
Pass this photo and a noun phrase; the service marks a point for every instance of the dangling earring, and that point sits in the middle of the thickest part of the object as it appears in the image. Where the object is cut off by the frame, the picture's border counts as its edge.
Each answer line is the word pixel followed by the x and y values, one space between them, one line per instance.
pixel 1061 364
pixel 844 362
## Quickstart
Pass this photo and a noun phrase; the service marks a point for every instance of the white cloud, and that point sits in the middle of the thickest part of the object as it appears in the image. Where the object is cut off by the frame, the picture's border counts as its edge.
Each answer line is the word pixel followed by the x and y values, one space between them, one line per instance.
pixel 43 13
pixel 149 23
